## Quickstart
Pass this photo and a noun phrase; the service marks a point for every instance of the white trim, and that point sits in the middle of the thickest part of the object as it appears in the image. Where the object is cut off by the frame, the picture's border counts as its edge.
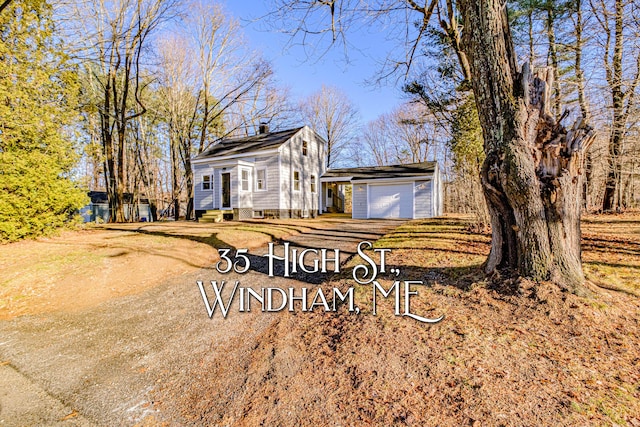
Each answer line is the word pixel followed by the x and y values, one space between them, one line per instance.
pixel 413 200
pixel 240 180
pixel 223 208
pixel 280 180
pixel 407 179
pixel 368 200
pixel 336 179
pixel 210 175
pixel 215 159
pixel 264 181
pixel 293 181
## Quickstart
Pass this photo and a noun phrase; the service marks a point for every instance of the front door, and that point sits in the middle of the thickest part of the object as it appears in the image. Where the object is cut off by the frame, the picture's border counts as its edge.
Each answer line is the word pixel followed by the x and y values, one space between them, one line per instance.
pixel 226 190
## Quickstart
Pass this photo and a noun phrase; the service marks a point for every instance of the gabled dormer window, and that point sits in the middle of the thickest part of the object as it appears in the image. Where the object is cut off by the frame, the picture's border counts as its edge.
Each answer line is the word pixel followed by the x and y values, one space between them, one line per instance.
pixel 305 147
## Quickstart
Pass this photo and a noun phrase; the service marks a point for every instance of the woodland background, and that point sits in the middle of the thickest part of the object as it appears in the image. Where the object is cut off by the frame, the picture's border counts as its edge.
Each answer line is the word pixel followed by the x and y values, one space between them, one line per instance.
pixel 119 96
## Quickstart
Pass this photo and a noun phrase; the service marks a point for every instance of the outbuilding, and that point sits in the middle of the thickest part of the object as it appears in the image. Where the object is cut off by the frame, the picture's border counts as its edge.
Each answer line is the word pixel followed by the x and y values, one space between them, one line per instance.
pixel 398 191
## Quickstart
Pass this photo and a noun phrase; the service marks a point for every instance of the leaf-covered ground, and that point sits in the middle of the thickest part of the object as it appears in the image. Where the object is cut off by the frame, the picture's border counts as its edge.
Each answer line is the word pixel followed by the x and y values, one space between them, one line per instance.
pixel 510 353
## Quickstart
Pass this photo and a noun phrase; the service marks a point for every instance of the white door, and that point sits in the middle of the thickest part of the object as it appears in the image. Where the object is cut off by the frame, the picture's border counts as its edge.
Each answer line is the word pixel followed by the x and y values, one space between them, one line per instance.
pixel 391 201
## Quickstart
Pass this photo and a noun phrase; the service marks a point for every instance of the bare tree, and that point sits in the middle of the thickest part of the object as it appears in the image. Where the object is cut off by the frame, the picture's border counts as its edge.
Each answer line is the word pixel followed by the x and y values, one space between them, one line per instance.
pixel 204 96
pixel 408 134
pixel 376 137
pixel 116 35
pixel 532 172
pixel 179 109
pixel 266 104
pixel 330 113
pixel 622 85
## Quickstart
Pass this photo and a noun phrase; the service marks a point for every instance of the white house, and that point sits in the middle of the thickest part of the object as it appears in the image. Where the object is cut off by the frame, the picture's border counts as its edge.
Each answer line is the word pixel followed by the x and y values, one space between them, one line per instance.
pixel 270 174
pixel 283 175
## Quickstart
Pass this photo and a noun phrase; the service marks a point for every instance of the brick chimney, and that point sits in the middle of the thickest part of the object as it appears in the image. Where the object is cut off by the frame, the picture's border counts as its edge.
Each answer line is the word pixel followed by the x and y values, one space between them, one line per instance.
pixel 264 128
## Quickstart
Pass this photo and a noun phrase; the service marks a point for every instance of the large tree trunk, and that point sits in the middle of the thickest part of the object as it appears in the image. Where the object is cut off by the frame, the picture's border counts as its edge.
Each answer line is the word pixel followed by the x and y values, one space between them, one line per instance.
pixel 532 172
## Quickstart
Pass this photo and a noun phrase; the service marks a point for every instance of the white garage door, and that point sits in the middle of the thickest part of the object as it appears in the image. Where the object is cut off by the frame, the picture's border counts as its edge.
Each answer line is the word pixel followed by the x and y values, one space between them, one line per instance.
pixel 391 201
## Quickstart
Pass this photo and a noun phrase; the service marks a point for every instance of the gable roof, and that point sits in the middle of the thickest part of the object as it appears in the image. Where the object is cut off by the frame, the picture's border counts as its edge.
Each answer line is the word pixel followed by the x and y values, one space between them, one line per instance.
pixel 241 145
pixel 375 172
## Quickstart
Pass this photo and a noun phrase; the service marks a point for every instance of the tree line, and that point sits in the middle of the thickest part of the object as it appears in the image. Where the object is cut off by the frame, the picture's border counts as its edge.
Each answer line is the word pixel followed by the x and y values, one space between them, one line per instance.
pixel 119 96
pixel 515 66
pixel 129 91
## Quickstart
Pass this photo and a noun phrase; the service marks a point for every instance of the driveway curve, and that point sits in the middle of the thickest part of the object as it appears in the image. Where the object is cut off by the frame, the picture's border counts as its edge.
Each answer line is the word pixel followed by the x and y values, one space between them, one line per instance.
pixel 101 366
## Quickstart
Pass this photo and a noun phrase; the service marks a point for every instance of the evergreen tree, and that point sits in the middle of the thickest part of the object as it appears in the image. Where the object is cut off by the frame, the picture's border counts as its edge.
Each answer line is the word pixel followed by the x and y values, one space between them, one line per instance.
pixel 38 95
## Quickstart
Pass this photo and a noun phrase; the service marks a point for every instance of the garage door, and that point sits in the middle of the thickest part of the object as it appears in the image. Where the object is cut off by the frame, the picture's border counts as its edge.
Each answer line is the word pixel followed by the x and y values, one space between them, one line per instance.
pixel 391 201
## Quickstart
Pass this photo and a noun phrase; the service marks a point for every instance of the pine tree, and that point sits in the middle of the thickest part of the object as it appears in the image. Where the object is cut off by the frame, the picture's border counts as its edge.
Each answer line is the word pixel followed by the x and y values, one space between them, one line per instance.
pixel 38 95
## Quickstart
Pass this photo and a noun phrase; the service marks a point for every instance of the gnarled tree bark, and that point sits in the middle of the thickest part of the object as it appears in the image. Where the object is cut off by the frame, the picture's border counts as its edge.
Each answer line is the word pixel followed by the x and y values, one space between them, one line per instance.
pixel 532 175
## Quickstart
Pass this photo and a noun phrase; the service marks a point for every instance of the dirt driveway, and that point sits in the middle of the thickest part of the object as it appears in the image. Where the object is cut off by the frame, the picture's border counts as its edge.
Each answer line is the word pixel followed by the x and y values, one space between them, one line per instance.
pixel 103 365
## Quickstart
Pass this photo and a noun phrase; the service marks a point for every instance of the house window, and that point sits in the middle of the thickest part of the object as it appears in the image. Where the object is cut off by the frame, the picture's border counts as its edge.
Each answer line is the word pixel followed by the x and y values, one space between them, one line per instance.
pixel 258 214
pixel 206 182
pixel 313 183
pixel 244 178
pixel 305 147
pixel 261 179
pixel 296 181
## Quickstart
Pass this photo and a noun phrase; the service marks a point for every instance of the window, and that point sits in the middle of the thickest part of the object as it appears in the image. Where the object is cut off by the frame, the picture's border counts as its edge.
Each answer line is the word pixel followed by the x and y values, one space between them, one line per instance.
pixel 305 148
pixel 258 214
pixel 261 179
pixel 313 183
pixel 296 181
pixel 206 182
pixel 244 178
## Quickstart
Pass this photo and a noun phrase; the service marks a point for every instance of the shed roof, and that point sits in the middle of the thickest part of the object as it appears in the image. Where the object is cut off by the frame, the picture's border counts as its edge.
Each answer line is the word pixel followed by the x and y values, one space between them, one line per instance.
pixel 375 172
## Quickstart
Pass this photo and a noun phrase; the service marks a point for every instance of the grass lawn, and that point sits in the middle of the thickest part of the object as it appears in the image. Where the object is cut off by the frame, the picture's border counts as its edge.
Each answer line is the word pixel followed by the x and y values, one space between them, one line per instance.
pixel 79 269
pixel 508 352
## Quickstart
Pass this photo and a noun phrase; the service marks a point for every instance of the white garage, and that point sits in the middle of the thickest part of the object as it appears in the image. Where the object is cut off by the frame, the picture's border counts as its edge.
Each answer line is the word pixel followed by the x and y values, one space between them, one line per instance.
pixel 391 200
pixel 396 191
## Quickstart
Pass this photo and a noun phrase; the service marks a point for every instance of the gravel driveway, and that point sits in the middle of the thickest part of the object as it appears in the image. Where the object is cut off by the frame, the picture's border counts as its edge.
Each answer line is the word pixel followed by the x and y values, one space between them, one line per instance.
pixel 102 366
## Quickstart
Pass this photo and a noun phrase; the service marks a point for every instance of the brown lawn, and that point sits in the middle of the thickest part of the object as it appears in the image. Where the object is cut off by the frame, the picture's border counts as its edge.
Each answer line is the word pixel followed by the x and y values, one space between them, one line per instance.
pixel 508 353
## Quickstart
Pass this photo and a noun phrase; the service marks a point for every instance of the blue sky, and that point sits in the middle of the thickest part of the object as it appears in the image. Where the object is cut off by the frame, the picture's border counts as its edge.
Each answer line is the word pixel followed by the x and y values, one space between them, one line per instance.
pixel 305 76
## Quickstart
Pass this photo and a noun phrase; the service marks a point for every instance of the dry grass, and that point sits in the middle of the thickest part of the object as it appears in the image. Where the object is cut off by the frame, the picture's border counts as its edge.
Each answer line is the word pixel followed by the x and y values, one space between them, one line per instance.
pixel 80 269
pixel 510 353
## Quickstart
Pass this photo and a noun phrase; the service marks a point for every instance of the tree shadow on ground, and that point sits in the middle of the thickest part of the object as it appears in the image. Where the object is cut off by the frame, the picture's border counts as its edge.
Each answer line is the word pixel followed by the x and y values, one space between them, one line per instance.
pixel 463 278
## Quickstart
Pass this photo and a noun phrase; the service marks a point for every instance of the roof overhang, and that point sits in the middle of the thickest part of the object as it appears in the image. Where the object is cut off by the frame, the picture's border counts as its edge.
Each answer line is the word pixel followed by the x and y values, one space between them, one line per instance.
pixel 411 178
pixel 214 159
pixel 336 179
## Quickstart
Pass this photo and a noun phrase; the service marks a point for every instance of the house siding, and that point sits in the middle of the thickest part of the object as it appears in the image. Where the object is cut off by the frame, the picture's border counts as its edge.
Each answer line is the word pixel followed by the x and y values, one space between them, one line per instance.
pixel 245 198
pixel 292 159
pixel 269 199
pixel 203 199
pixel 423 199
pixel 359 201
pixel 438 193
